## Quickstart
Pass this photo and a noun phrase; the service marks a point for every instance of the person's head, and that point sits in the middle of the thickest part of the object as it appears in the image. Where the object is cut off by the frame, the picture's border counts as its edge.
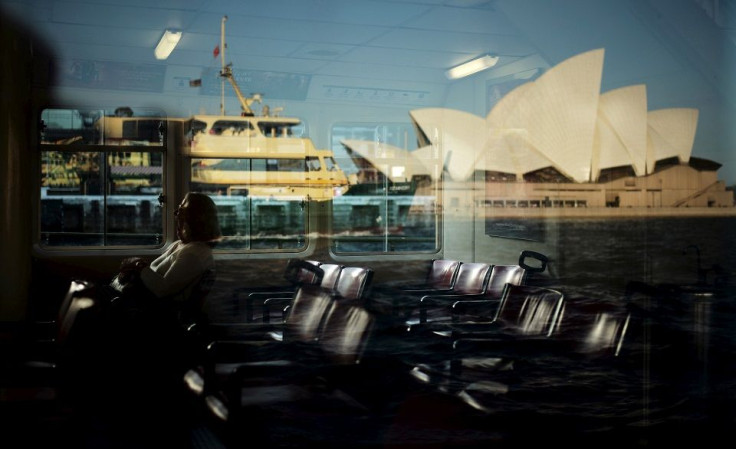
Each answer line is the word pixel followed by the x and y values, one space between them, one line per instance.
pixel 196 219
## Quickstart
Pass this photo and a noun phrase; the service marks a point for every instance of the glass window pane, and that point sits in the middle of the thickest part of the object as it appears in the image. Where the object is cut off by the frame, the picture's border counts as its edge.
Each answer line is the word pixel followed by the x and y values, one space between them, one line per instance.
pixel 384 223
pixel 378 215
pixel 101 199
pixel 250 220
pixel 123 126
pixel 70 126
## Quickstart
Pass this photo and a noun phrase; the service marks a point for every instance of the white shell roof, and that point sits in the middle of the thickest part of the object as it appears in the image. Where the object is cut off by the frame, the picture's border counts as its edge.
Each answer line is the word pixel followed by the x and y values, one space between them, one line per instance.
pixel 621 130
pixel 671 133
pixel 459 134
pixel 396 163
pixel 560 120
pixel 561 111
pixel 508 147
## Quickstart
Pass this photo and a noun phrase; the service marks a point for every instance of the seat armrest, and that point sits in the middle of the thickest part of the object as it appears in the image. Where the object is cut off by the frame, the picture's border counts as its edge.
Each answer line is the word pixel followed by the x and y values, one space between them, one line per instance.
pixel 220 351
pixel 504 345
pixel 238 331
pixel 254 296
pixel 433 300
pixel 426 291
pixel 487 330
pixel 406 300
pixel 482 310
pixel 275 303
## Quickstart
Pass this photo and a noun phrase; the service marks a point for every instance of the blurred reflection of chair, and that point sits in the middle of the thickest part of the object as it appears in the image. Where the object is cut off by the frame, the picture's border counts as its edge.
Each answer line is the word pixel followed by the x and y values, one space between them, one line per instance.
pixel 282 401
pixel 441 304
pixel 585 368
pixel 580 382
pixel 523 311
pixel 276 306
pixel 258 341
pixel 472 279
pixel 296 273
pixel 63 362
pixel 441 275
pixel 353 283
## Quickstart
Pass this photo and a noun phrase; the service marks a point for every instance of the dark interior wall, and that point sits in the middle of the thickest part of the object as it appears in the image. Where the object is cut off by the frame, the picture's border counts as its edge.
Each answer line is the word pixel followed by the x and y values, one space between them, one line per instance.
pixel 16 58
pixel 27 73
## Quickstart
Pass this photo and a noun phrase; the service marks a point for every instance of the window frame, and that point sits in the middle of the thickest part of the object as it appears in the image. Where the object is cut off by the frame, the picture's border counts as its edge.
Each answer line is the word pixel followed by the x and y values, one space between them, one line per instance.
pixel 104 150
pixel 253 220
pixel 380 131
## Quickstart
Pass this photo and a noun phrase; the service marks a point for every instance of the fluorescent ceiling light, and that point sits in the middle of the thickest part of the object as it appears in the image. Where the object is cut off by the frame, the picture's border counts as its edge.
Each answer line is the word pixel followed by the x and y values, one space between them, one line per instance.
pixel 167 43
pixel 472 66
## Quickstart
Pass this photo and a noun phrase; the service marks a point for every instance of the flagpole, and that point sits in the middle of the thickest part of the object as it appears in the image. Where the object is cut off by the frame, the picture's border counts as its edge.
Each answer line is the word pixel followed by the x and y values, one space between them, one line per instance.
pixel 222 59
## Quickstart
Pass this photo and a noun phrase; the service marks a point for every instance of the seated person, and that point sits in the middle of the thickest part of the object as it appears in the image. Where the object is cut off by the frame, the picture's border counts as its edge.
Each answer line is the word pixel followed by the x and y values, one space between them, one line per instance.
pixel 182 264
pixel 142 326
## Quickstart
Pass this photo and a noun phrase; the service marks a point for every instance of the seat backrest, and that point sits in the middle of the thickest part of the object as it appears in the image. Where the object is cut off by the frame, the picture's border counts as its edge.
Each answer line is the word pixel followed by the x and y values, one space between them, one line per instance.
pixel 471 278
pixel 306 313
pixel 502 275
pixel 597 328
pixel 442 274
pixel 531 310
pixel 331 274
pixel 74 288
pixel 78 305
pixel 353 282
pixel 605 334
pixel 345 333
pixel 302 272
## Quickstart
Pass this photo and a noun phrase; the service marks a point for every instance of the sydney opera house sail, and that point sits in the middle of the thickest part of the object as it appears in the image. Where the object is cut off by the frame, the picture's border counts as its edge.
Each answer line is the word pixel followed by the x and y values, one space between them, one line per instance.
pixel 459 135
pixel 563 125
pixel 671 134
pixel 621 131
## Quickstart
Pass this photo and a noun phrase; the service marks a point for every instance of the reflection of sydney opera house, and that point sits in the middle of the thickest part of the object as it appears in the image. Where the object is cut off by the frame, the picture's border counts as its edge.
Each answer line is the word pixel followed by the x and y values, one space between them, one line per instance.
pixel 558 142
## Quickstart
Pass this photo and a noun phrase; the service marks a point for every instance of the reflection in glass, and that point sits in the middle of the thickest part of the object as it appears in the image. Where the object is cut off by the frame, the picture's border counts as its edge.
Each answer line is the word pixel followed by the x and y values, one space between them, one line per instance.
pixel 384 223
pixel 378 215
pixel 257 209
pixel 123 126
pixel 93 198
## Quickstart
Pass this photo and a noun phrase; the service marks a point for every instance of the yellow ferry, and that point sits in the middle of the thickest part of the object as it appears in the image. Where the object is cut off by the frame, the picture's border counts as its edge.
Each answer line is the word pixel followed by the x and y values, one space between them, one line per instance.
pixel 267 156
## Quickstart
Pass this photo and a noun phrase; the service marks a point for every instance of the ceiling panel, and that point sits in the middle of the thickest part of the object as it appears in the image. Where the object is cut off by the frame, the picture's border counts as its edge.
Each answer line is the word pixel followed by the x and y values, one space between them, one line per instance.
pixel 121 16
pixel 463 20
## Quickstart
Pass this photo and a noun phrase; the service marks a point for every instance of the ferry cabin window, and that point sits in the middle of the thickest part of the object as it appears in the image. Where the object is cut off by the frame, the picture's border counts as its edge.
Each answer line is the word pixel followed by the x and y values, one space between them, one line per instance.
pixel 280 129
pixel 196 127
pixel 378 215
pixel 313 163
pixel 260 202
pixel 100 178
pixel 230 127
pixel 278 165
pixel 330 164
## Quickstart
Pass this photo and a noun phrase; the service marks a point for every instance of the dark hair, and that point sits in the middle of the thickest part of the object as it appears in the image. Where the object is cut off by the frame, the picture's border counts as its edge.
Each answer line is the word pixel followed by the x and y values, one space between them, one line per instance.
pixel 202 218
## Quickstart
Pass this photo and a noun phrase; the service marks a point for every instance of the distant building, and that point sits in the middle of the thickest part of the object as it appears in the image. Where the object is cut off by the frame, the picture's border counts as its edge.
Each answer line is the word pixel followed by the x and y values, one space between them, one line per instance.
pixel 671 185
pixel 558 142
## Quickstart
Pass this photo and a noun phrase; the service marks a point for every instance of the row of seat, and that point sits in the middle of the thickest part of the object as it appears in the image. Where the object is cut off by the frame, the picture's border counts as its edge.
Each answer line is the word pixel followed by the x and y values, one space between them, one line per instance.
pixel 341 371
pixel 446 282
pixel 340 361
pixel 348 282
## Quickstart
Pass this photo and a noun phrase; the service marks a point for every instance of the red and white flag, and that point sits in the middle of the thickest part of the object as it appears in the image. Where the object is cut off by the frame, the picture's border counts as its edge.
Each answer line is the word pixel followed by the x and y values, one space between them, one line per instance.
pixel 216 51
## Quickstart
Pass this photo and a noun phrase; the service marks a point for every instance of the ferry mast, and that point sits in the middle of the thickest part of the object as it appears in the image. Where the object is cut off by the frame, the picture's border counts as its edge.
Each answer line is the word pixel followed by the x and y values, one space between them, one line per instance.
pixel 227 74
